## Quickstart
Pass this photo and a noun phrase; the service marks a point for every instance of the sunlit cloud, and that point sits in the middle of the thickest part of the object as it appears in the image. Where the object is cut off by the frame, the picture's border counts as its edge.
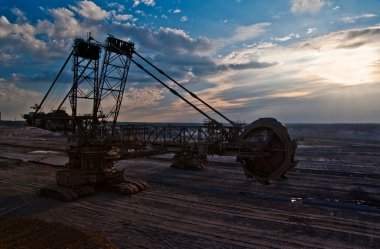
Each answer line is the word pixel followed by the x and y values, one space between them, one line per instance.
pixel 142 97
pixel 244 33
pixel 292 95
pixel 306 72
pixel 342 57
pixel 90 10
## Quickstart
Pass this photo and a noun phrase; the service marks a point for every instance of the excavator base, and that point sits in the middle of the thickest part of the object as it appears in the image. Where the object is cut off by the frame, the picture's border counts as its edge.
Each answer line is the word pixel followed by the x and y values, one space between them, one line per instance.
pixel 90 169
pixel 188 160
pixel 129 187
pixel 63 193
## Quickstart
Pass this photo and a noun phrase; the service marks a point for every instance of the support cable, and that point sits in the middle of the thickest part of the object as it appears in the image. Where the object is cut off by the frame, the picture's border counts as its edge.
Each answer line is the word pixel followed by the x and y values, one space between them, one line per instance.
pixel 72 87
pixel 175 92
pixel 184 88
pixel 55 80
pixel 165 85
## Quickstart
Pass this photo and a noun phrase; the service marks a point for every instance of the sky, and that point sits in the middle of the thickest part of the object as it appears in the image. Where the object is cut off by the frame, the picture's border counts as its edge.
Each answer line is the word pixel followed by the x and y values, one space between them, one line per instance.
pixel 300 61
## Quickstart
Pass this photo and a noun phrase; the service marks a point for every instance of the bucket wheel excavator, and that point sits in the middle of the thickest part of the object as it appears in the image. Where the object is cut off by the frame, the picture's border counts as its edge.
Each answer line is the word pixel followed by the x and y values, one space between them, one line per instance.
pixel 96 80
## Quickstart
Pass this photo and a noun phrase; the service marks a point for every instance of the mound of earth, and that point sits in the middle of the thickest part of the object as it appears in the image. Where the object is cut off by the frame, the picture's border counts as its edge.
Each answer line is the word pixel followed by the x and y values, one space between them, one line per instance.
pixel 24 233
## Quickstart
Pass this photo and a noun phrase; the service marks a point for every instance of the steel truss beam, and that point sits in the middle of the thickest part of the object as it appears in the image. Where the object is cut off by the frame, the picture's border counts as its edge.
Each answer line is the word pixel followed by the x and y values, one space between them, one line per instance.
pixel 85 70
pixel 113 77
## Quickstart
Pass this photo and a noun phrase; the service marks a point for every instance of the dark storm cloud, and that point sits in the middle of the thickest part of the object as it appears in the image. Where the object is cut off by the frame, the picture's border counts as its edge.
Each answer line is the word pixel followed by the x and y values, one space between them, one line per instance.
pixel 163 40
pixel 178 64
pixel 249 65
pixel 49 40
pixel 201 66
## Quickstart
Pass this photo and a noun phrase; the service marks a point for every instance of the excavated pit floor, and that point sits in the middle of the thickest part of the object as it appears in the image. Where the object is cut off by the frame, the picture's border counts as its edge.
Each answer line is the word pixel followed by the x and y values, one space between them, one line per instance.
pixel 331 200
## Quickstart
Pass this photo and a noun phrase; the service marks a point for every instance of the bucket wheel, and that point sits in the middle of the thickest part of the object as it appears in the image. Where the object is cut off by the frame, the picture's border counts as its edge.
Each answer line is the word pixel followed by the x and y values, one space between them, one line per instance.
pixel 273 150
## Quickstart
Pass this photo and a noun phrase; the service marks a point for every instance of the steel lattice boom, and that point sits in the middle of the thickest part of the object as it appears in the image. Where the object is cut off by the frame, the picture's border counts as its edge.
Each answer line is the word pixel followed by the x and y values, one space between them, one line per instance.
pixel 263 148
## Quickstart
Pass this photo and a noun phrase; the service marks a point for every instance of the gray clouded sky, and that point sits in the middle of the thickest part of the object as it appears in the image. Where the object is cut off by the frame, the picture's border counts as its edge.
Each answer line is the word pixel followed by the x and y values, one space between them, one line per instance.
pixel 296 60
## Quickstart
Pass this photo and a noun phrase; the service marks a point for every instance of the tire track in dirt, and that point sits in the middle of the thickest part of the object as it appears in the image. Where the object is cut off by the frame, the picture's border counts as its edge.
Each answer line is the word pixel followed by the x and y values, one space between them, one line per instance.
pixel 135 209
pixel 216 208
pixel 347 227
pixel 278 214
pixel 333 187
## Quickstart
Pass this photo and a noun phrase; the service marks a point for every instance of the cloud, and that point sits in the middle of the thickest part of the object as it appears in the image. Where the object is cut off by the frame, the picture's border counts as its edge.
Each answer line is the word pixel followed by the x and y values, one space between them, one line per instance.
pixel 335 57
pixel 330 107
pixel 286 38
pixel 261 79
pixel 183 19
pixel 353 19
pixel 249 65
pixel 291 94
pixel 6 58
pixel 21 38
pixel 244 33
pixel 140 12
pixel 306 6
pixel 124 17
pixel 51 39
pixel 13 100
pixel 19 14
pixel 262 45
pixel 148 96
pixel 145 2
pixel 189 68
pixel 175 11
pixel 120 7
pixel 90 10
pixel 34 78
pixel 311 30
pixel 168 41
pixel 307 80
pixel 65 25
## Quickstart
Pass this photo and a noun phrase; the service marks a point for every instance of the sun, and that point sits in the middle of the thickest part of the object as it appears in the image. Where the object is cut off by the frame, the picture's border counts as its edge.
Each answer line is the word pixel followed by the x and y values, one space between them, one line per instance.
pixel 345 66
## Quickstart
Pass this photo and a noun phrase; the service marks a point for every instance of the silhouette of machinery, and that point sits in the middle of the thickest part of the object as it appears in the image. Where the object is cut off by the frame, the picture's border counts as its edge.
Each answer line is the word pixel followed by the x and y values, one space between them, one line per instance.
pixel 97 80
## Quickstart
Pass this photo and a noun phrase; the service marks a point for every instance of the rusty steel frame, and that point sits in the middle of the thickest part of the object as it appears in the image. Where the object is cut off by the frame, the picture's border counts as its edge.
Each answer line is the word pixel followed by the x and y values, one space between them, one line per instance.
pixel 263 148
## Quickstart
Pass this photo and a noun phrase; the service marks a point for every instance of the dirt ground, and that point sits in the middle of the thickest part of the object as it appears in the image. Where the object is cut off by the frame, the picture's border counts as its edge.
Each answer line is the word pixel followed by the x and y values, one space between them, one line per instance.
pixel 23 233
pixel 331 200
